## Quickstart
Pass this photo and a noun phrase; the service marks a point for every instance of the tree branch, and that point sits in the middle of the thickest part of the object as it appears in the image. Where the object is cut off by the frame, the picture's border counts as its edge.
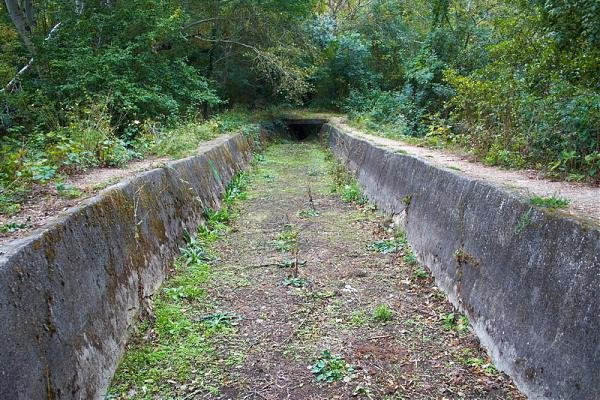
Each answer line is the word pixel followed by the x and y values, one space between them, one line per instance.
pixel 200 22
pixel 256 50
pixel 9 87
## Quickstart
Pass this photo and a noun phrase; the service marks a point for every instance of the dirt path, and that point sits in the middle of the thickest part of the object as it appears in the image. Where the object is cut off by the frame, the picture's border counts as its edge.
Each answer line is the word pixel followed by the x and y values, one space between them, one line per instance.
pixel 584 200
pixel 395 333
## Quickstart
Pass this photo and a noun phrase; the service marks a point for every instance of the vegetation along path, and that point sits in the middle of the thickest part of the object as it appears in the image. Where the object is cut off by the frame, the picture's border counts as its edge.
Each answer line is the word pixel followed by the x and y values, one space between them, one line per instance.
pixel 299 289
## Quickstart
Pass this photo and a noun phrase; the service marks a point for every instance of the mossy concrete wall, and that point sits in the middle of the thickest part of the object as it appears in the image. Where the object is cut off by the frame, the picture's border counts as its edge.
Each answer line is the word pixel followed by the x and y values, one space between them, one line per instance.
pixel 528 279
pixel 70 292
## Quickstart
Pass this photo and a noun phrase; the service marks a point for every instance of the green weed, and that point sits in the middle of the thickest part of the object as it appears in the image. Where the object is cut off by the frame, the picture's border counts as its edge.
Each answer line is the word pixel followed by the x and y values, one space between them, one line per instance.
pixel 421 273
pixel 455 322
pixel 524 221
pixel 8 207
pixel 220 320
pixel 410 258
pixel 236 190
pixel 68 191
pixel 183 140
pixel 387 246
pixel 467 358
pixel 482 365
pixel 383 313
pixel 549 202
pixel 215 222
pixel 195 252
pixel 344 183
pixel 180 345
pixel 295 282
pixel 11 227
pixel 351 193
pixel 308 213
pixel 287 240
pixel 358 318
pixel 330 368
pixel 184 342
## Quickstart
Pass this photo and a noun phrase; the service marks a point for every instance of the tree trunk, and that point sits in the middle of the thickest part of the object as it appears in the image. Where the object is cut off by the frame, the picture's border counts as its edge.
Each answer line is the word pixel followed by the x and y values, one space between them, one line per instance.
pixel 19 19
pixel 29 12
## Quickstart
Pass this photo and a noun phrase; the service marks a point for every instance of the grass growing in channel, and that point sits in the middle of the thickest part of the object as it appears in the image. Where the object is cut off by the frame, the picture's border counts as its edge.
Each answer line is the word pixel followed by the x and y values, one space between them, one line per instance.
pixel 344 183
pixel 173 353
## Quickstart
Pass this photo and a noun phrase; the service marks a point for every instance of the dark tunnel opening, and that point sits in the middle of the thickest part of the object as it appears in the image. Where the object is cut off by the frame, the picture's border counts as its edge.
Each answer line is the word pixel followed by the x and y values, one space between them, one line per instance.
pixel 304 129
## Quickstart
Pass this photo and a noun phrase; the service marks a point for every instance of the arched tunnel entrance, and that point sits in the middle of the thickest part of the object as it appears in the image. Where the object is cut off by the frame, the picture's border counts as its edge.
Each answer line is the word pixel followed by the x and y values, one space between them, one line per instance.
pixel 304 129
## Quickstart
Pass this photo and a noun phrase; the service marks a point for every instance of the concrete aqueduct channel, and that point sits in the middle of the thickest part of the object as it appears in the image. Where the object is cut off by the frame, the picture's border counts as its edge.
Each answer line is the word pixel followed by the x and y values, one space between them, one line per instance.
pixel 527 279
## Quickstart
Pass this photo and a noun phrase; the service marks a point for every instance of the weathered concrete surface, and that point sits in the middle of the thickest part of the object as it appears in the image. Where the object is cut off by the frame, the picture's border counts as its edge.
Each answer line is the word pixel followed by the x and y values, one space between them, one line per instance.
pixel 528 279
pixel 69 292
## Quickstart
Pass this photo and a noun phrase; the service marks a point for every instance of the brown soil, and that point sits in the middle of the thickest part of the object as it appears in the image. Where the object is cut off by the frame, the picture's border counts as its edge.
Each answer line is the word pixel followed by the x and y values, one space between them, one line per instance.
pixel 284 329
pixel 584 199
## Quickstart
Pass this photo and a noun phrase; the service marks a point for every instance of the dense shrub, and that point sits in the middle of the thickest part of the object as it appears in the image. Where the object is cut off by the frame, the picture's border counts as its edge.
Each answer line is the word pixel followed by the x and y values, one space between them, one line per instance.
pixel 515 83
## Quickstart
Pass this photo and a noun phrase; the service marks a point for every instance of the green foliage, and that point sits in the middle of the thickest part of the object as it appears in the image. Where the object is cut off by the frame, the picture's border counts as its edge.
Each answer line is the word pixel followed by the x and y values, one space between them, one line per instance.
pixel 358 318
pixel 195 252
pixel 387 246
pixel 421 273
pixel 383 313
pixel 345 66
pixel 68 191
pixel 483 365
pixel 295 282
pixel 330 368
pixel 287 240
pixel 455 322
pixel 515 83
pixel 549 202
pixel 166 352
pixel 180 343
pixel 308 213
pixel 220 320
pixel 184 139
pixel 345 184
pixel 130 56
pixel 10 227
pixel 410 258
pixel 236 190
pixel 120 80
pixel 467 358
pixel 91 142
pixel 351 193
pixel 523 221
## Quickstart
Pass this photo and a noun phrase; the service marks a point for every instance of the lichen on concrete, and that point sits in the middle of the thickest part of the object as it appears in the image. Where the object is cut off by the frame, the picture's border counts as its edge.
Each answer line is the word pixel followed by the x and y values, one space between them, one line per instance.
pixel 69 292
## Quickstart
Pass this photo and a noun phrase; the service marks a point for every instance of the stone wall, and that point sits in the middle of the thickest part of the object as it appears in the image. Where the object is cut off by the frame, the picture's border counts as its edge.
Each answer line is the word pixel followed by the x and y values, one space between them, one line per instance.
pixel 70 292
pixel 528 279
